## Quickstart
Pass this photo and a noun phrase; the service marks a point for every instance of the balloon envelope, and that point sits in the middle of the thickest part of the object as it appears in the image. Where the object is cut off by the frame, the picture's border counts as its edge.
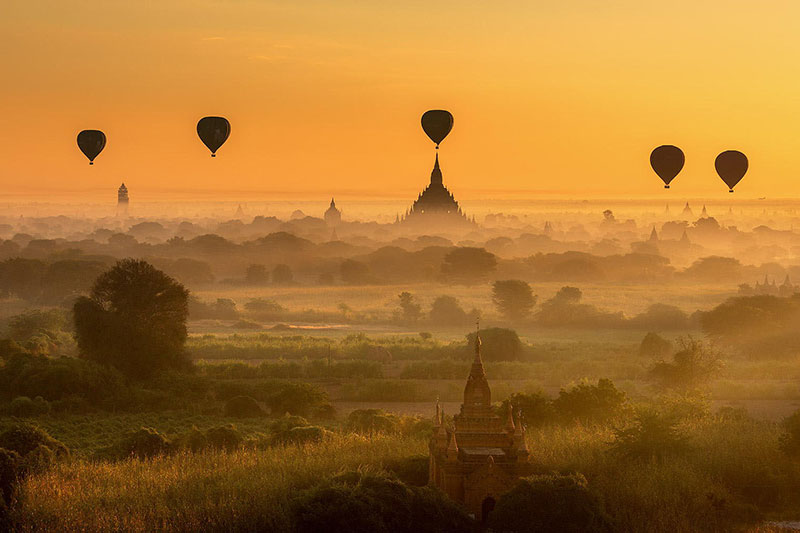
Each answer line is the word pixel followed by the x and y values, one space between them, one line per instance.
pixel 213 131
pixel 667 161
pixel 91 143
pixel 437 123
pixel 731 166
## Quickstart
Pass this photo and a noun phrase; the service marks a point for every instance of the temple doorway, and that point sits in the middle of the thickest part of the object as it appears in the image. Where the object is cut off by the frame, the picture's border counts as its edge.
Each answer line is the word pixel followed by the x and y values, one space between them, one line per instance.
pixel 487 507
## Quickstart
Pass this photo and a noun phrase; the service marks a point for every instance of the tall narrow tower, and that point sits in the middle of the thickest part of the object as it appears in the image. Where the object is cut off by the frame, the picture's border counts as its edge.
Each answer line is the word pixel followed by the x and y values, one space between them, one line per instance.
pixel 122 200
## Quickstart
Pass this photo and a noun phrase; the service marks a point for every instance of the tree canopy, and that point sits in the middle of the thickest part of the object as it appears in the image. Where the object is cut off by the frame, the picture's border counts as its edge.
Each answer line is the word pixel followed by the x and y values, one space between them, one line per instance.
pixel 134 319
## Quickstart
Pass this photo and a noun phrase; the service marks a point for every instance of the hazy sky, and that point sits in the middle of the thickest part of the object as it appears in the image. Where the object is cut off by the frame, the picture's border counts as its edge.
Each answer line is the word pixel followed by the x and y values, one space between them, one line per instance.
pixel 326 96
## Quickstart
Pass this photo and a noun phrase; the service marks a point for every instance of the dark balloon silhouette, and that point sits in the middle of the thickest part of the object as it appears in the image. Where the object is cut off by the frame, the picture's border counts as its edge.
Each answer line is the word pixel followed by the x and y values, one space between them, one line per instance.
pixel 213 131
pixel 667 161
pixel 91 143
pixel 437 123
pixel 731 166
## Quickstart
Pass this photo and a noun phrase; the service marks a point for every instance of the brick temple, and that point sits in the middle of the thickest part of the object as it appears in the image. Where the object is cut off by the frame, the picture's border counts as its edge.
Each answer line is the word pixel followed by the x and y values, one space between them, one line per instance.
pixel 483 454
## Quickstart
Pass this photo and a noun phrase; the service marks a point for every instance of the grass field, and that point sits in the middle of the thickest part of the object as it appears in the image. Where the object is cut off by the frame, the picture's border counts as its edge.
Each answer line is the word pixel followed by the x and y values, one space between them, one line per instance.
pixel 731 474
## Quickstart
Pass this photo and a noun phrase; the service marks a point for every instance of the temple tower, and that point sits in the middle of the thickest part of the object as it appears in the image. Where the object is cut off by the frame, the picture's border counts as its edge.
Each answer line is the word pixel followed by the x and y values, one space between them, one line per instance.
pixel 483 454
pixel 122 200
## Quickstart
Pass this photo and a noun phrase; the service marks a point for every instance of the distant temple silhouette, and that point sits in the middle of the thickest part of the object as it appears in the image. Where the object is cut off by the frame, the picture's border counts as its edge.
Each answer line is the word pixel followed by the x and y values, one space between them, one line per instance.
pixel 333 216
pixel 436 203
pixel 483 454
pixel 769 288
pixel 122 200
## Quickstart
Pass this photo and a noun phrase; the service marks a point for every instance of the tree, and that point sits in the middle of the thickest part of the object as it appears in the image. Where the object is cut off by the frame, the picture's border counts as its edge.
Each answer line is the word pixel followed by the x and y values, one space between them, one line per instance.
pixel 654 345
pixel 692 365
pixel 446 311
pixel 412 311
pixel 498 344
pixel 549 502
pixel 256 275
pixel 360 501
pixel 134 319
pixel 48 322
pixel 513 298
pixel 282 275
pixel 355 272
pixel 589 403
pixel 468 265
pixel 653 435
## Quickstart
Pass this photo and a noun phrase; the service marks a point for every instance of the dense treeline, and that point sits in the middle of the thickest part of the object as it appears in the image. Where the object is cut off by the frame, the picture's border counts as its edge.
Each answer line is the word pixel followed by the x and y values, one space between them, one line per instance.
pixel 53 269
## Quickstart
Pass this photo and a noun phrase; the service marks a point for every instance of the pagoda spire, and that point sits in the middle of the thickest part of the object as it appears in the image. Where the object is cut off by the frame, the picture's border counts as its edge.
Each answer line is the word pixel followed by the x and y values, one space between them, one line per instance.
pixel 477 371
pixel 436 173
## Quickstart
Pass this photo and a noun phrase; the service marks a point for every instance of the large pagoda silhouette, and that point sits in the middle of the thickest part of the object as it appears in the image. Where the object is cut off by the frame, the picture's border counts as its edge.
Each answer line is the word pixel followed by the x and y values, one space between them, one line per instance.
pixel 435 204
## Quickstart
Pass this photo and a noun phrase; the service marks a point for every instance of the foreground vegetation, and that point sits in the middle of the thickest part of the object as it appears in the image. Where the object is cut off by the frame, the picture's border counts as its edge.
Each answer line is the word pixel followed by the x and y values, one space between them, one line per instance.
pixel 730 473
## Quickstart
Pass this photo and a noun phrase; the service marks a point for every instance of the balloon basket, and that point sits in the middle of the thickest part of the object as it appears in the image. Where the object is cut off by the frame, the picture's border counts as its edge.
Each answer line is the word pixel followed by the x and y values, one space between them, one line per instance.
pixel 91 162
pixel 730 190
pixel 213 155
pixel 666 186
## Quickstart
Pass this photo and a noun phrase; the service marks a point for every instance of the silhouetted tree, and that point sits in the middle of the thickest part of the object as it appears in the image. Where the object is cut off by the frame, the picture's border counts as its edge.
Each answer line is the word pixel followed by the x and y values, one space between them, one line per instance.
pixel 715 269
pixel 513 298
pixel 661 316
pixel 549 502
pixel 468 265
pixel 692 365
pixel 446 311
pixel 282 275
pixel 654 345
pixel 256 275
pixel 134 319
pixel 590 403
pixel 411 310
pixel 354 272
pixel 653 435
pixel 498 344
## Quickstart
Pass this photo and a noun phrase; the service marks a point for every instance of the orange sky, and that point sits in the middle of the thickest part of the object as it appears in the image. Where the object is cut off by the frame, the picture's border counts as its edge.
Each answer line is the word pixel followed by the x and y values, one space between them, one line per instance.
pixel 325 97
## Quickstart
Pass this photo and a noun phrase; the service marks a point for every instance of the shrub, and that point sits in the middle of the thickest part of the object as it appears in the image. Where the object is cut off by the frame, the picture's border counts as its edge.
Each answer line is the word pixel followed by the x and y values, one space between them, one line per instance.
pixel 415 426
pixel 224 437
pixel 326 411
pixel 243 407
pixel 589 403
pixel 305 434
pixel 9 474
pixel 22 407
pixel 57 378
pixel 38 460
pixel 143 443
pixel 652 435
pixel 193 440
pixel 411 470
pixel 371 421
pixel 356 501
pixel 654 345
pixel 24 438
pixel 281 427
pixel 297 399
pixel 790 438
pixel 549 503
pixel 692 366
pixel 10 348
pixel 535 407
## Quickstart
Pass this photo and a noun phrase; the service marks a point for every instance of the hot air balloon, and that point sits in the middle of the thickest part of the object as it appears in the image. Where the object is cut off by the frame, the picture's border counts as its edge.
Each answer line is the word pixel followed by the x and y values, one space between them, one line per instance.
pixel 731 166
pixel 213 131
pixel 437 123
pixel 91 143
pixel 667 161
